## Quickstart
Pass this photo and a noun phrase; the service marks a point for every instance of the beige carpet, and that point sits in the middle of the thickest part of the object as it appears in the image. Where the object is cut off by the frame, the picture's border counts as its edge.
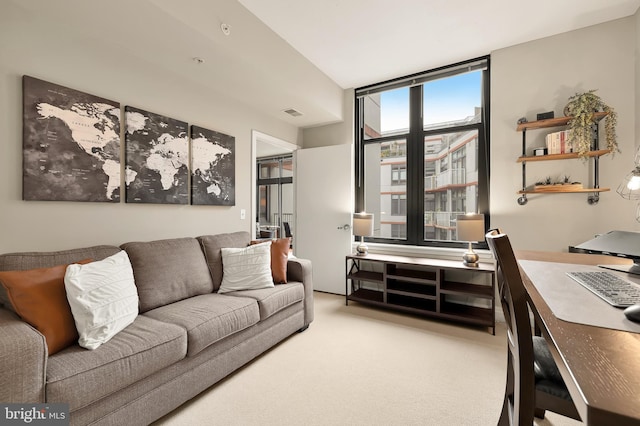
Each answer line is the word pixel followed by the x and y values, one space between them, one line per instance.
pixel 358 365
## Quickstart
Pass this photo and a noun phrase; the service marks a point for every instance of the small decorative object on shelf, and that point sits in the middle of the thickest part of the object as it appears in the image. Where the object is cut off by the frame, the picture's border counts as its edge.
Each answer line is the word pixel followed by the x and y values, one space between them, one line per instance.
pixel 564 185
pixel 581 108
pixel 544 115
pixel 539 151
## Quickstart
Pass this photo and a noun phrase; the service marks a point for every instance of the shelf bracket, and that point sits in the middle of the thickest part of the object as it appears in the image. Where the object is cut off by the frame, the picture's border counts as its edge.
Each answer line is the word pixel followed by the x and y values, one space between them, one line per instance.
pixel 593 199
pixel 522 200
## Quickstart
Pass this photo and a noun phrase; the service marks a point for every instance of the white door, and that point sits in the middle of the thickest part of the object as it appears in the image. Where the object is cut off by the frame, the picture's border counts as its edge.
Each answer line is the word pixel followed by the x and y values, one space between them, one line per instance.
pixel 324 203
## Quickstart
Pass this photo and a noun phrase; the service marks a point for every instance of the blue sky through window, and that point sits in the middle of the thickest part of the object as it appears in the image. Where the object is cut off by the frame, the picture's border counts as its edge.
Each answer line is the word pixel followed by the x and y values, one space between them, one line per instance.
pixel 446 99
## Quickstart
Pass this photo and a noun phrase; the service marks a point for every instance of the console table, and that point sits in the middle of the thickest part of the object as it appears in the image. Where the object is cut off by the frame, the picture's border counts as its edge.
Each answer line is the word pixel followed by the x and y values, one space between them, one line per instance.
pixel 437 288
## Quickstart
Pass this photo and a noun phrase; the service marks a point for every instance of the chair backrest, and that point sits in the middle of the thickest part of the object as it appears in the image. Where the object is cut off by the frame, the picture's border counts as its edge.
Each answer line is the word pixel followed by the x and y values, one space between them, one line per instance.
pixel 513 296
pixel 287 229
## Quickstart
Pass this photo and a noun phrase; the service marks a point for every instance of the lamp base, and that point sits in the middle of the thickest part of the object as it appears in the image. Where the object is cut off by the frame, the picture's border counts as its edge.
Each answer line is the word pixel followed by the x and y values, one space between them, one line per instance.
pixel 470 258
pixel 362 249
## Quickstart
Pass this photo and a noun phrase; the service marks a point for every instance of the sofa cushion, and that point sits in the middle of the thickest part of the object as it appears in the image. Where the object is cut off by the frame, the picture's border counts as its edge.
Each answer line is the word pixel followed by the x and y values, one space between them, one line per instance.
pixel 37 259
pixel 247 268
pixel 38 296
pixel 279 258
pixel 208 318
pixel 272 300
pixel 211 245
pixel 79 377
pixel 103 298
pixel 166 271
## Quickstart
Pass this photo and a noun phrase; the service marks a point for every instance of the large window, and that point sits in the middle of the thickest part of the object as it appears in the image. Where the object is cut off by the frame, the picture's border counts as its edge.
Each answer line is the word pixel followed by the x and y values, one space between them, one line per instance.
pixel 422 152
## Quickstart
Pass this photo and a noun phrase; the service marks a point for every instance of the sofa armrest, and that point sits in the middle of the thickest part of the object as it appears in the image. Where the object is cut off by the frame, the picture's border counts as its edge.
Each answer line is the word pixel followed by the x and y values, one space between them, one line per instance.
pixel 23 361
pixel 300 270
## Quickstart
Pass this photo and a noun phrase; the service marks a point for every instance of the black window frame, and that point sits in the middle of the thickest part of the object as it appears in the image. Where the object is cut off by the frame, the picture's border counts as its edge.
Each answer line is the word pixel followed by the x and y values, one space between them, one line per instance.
pixel 415 149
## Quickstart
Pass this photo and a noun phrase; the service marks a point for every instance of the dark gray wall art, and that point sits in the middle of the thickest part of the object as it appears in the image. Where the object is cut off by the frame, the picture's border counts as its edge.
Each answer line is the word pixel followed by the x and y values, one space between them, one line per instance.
pixel 157 158
pixel 213 177
pixel 71 144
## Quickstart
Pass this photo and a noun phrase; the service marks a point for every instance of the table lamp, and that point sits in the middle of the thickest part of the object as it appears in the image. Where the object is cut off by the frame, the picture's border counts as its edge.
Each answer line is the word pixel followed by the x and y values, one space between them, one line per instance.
pixel 362 227
pixel 470 227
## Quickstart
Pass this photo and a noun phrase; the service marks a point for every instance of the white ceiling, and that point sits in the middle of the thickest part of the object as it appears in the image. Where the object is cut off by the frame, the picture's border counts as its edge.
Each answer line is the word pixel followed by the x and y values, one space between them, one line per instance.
pixel 309 50
pixel 359 42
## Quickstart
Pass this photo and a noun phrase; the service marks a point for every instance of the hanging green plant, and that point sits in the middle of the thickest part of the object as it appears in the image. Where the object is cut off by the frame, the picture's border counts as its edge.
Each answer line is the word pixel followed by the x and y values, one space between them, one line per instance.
pixel 581 107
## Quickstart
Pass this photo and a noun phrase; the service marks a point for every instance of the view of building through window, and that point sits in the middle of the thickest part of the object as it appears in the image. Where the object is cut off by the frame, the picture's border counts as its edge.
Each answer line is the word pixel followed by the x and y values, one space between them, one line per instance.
pixel 452 120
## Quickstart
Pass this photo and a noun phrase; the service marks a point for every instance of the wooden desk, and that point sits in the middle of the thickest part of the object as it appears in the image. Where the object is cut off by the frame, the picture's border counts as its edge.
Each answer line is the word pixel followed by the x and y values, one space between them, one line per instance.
pixel 600 366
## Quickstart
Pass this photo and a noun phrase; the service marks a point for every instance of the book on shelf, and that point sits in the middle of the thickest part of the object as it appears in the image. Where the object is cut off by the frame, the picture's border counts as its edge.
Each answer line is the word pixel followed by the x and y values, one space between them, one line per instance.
pixel 558 142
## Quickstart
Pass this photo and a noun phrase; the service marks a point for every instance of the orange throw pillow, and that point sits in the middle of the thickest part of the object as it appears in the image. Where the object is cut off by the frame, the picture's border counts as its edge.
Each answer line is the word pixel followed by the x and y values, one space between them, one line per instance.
pixel 279 258
pixel 39 297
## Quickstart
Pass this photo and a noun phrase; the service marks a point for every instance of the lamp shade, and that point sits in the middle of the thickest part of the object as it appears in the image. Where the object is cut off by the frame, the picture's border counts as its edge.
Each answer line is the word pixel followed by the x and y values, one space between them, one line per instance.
pixel 363 224
pixel 629 188
pixel 470 227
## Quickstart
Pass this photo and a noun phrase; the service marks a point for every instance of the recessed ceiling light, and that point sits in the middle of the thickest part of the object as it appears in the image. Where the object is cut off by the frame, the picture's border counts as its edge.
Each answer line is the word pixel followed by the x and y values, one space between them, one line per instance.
pixel 226 29
pixel 198 60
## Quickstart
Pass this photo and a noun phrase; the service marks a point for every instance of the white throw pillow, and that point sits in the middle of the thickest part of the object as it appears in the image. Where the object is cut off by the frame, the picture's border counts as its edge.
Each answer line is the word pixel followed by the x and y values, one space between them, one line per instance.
pixel 246 268
pixel 103 298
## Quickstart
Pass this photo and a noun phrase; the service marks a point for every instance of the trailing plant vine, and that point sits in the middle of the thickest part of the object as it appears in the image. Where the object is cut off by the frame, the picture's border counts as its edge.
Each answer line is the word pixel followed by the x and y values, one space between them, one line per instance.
pixel 581 107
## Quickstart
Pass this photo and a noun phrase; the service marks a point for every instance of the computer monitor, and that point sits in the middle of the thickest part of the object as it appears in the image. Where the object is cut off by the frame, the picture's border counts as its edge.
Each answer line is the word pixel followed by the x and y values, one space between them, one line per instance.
pixel 616 243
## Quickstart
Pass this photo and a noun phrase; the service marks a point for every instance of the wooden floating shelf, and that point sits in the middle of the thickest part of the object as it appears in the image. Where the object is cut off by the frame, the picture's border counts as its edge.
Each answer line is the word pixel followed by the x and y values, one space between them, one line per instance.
pixel 568 191
pixel 551 157
pixel 553 122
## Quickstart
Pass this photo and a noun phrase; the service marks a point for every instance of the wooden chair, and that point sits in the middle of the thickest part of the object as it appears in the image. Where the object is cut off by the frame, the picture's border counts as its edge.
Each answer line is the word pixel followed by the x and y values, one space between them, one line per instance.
pixel 534 383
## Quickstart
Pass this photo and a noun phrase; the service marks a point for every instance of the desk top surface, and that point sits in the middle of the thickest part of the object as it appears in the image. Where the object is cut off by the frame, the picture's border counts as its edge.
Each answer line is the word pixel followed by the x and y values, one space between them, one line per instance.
pixel 601 366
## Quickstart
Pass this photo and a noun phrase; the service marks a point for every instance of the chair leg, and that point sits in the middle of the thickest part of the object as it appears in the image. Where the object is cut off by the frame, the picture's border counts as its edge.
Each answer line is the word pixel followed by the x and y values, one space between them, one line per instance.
pixel 505 415
pixel 539 413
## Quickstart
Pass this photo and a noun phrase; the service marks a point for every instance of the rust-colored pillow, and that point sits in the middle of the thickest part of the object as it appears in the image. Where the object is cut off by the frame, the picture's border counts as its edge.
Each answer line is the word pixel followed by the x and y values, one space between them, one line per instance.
pixel 279 258
pixel 39 297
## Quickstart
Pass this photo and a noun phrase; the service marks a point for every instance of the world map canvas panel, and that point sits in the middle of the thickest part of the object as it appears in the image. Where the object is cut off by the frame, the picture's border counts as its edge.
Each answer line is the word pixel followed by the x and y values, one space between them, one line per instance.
pixel 213 178
pixel 71 144
pixel 157 158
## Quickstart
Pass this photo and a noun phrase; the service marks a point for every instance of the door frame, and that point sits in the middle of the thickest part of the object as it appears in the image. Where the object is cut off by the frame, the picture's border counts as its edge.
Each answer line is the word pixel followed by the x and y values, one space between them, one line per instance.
pixel 258 137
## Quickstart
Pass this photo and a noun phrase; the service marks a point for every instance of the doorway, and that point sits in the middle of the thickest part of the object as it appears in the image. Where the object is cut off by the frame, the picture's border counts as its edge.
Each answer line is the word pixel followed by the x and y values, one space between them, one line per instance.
pixel 273 189
pixel 274 196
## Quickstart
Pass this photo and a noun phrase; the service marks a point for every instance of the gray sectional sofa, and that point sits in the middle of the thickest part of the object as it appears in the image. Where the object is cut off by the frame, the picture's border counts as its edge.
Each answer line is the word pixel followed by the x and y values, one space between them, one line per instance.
pixel 186 338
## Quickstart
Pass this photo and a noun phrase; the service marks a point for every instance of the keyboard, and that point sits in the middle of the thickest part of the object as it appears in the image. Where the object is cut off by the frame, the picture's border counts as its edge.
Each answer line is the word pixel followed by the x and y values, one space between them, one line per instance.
pixel 611 288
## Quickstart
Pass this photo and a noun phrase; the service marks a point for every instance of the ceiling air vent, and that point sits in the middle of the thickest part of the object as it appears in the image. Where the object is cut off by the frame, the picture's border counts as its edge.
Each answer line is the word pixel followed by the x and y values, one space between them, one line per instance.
pixel 292 112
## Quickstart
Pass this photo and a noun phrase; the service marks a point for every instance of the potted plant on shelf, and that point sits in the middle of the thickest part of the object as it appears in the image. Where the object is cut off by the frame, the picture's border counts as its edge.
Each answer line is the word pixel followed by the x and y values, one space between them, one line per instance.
pixel 580 108
pixel 559 185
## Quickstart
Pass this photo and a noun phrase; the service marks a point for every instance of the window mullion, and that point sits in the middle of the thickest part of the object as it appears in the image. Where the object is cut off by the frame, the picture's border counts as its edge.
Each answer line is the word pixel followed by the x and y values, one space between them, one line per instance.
pixel 415 180
pixel 359 155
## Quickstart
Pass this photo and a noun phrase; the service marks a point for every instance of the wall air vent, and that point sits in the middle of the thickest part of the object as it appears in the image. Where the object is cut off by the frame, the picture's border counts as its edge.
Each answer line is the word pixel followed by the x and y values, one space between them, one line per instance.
pixel 292 112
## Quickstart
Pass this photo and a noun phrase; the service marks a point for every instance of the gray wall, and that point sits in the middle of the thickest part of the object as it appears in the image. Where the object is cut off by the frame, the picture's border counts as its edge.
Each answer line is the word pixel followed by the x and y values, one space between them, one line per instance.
pixel 53 55
pixel 336 133
pixel 539 76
